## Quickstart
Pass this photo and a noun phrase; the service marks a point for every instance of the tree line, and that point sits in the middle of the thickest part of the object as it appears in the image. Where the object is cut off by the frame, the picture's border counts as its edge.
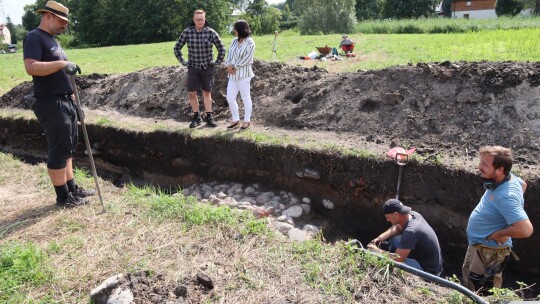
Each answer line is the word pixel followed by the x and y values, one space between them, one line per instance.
pixel 121 22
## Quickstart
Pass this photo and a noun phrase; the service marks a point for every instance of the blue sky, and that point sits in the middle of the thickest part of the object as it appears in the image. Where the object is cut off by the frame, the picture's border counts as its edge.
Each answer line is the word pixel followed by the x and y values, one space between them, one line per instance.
pixel 14 9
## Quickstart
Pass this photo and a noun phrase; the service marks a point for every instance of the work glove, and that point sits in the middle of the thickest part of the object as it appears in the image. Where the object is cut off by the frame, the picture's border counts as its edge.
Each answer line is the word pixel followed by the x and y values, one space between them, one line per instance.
pixel 185 63
pixel 213 63
pixel 72 69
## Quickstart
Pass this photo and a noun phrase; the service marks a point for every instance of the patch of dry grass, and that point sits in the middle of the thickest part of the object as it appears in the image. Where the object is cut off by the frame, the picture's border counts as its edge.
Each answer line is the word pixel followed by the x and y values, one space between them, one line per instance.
pixel 145 229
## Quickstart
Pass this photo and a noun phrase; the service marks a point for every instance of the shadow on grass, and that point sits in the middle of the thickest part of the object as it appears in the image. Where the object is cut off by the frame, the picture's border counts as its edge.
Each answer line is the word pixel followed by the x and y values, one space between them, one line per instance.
pixel 26 219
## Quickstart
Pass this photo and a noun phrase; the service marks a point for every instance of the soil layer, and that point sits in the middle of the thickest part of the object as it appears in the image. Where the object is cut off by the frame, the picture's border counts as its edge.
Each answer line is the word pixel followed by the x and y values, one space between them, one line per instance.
pixel 446 110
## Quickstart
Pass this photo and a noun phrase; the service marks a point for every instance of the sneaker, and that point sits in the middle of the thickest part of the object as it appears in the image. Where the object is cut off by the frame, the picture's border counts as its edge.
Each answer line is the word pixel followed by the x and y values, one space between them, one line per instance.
pixel 71 202
pixel 210 121
pixel 81 192
pixel 195 122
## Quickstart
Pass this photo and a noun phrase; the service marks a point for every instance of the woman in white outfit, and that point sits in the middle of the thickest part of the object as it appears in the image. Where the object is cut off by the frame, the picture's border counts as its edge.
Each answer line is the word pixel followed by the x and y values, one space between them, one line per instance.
pixel 239 61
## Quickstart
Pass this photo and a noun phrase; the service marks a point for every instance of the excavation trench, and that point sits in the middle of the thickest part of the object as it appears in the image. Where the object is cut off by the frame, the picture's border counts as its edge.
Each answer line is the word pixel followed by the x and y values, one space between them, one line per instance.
pixel 358 186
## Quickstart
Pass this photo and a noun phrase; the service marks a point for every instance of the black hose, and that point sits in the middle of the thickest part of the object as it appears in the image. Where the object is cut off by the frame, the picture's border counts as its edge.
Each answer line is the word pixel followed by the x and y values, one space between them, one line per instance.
pixel 428 276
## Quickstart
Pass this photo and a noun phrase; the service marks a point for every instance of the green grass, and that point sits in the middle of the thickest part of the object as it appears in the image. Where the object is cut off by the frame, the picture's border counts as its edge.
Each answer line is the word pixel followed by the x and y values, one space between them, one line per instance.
pixel 191 213
pixel 7 161
pixel 445 25
pixel 21 265
pixel 376 51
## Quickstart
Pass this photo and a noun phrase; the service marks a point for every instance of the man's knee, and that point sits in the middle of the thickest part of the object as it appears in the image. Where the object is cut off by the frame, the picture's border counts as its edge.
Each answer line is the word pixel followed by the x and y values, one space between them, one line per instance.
pixel 56 163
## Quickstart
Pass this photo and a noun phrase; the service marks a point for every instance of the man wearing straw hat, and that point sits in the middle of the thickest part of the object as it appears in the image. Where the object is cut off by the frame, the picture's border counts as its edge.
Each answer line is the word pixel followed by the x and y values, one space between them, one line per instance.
pixel 46 61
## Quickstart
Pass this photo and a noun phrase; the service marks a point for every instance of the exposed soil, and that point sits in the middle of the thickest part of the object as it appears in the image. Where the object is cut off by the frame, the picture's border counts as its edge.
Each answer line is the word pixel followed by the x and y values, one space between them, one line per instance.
pixel 446 110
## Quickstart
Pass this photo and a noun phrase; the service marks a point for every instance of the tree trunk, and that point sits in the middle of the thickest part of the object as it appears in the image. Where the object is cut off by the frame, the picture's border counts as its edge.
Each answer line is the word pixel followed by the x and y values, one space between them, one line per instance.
pixel 537 8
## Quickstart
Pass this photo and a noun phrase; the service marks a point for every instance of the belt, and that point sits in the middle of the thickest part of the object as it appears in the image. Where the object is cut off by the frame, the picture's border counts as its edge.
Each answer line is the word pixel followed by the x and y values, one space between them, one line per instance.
pixel 489 253
pixel 65 96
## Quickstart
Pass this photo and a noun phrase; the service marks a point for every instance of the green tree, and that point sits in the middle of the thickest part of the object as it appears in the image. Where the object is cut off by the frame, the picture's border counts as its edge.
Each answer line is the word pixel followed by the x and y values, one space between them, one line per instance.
pixel 508 7
pixel 322 16
pixel 367 9
pixel 270 20
pixel 257 7
pixel 12 30
pixel 217 12
pixel 409 9
pixel 30 18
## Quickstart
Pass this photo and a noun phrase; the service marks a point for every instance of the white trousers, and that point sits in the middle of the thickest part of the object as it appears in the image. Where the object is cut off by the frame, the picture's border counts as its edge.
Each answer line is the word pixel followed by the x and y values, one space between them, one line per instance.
pixel 243 86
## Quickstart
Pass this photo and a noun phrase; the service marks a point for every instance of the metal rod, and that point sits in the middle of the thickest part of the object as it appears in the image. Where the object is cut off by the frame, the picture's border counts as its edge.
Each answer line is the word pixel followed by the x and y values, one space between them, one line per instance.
pixel 274 54
pixel 86 141
pixel 399 181
pixel 401 159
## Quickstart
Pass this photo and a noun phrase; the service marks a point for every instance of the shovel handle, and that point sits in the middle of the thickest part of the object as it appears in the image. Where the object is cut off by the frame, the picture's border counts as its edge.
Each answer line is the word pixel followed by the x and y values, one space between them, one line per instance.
pixel 402 159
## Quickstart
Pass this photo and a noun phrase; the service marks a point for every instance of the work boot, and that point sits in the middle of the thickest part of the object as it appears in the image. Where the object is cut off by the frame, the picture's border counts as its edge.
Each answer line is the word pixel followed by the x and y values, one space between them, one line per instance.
pixel 210 120
pixel 82 193
pixel 71 202
pixel 195 121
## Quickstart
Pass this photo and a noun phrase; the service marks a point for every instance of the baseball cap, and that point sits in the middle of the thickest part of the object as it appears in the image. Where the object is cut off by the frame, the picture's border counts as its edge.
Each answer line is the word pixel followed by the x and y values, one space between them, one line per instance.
pixel 394 205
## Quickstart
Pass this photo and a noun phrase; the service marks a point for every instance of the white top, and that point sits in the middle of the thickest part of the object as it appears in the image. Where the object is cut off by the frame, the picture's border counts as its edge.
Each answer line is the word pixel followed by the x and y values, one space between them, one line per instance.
pixel 241 57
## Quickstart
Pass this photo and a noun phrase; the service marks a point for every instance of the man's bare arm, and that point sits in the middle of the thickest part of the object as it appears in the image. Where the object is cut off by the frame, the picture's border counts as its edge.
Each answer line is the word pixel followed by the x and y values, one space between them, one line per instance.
pixel 40 68
pixel 521 229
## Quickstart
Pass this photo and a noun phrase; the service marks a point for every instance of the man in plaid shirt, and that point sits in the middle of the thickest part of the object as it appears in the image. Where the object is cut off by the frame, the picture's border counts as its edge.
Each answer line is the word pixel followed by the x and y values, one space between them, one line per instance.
pixel 200 38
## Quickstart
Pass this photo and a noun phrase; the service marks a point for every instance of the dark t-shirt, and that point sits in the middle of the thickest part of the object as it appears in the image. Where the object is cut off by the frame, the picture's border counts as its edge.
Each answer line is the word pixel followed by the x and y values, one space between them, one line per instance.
pixel 42 46
pixel 418 236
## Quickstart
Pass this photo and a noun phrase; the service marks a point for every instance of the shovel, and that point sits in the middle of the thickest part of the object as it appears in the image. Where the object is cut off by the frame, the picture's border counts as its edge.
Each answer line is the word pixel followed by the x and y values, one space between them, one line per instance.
pixel 401 159
pixel 86 141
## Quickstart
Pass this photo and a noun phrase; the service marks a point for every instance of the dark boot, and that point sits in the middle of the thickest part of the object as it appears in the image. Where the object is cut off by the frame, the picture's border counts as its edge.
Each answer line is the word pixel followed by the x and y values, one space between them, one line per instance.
pixel 71 202
pixel 82 193
pixel 210 120
pixel 196 120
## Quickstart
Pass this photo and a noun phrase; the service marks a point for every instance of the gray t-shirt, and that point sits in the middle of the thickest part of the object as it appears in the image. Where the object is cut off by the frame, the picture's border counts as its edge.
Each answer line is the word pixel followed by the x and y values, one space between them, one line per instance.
pixel 419 237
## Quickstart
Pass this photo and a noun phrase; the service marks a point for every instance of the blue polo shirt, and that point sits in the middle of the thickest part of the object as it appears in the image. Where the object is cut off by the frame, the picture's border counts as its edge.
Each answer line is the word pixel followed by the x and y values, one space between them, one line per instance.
pixel 497 210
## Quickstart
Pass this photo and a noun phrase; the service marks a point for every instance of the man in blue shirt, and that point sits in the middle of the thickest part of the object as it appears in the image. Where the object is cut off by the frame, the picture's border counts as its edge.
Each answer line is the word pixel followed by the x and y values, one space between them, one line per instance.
pixel 498 217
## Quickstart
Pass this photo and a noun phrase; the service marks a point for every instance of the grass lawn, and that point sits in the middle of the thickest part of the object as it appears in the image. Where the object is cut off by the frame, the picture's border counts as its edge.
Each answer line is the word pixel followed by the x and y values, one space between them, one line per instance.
pixel 375 51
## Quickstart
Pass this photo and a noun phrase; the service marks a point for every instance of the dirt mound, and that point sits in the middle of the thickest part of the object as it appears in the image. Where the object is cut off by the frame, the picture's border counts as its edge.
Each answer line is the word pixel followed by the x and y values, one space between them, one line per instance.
pixel 449 106
pixel 143 288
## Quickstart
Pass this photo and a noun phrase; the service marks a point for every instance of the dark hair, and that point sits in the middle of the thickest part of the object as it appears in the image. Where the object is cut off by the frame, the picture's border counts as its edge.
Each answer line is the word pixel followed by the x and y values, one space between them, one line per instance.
pixel 502 157
pixel 242 28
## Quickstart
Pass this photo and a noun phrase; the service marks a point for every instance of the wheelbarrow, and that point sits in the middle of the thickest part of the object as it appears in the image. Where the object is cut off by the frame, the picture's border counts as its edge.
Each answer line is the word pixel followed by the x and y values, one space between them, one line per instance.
pixel 325 51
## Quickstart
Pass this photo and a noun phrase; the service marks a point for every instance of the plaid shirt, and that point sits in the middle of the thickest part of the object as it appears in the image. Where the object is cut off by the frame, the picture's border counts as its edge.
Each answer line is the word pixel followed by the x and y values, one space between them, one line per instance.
pixel 200 52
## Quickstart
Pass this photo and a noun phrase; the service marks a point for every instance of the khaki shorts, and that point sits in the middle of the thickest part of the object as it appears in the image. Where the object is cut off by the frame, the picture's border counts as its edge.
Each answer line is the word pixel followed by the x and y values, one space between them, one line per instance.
pixel 483 266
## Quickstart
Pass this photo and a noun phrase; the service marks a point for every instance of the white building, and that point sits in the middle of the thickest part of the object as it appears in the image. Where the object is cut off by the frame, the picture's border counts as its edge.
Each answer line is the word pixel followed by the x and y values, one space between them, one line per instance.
pixel 474 9
pixel 5 35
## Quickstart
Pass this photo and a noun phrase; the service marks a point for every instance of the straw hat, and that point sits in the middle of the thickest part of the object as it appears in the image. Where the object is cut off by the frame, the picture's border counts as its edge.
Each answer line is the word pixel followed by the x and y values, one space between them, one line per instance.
pixel 344 36
pixel 55 8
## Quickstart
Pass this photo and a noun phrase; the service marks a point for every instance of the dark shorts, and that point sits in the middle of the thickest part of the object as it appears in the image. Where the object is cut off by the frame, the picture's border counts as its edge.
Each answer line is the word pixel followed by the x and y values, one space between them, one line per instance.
pixel 200 78
pixel 58 118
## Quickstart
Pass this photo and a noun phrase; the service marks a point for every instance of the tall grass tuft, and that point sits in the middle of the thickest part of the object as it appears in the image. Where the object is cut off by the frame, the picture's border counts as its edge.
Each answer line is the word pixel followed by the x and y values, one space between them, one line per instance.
pixel 21 265
pixel 190 213
pixel 445 25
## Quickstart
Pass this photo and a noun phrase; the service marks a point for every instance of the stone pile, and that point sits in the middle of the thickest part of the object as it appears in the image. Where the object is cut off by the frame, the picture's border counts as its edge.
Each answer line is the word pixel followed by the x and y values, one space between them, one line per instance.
pixel 281 207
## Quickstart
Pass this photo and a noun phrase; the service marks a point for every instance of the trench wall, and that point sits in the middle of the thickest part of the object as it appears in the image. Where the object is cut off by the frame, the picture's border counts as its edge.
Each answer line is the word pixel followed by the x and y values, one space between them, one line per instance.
pixel 357 186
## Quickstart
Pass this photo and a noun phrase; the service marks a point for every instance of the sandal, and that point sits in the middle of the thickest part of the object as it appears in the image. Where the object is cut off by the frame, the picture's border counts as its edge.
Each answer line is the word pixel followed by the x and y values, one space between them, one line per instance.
pixel 245 126
pixel 234 125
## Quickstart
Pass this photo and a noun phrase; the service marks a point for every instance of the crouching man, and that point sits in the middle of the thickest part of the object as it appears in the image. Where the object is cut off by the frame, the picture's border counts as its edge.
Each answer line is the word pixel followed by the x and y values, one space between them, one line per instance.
pixel 411 238
pixel 498 217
